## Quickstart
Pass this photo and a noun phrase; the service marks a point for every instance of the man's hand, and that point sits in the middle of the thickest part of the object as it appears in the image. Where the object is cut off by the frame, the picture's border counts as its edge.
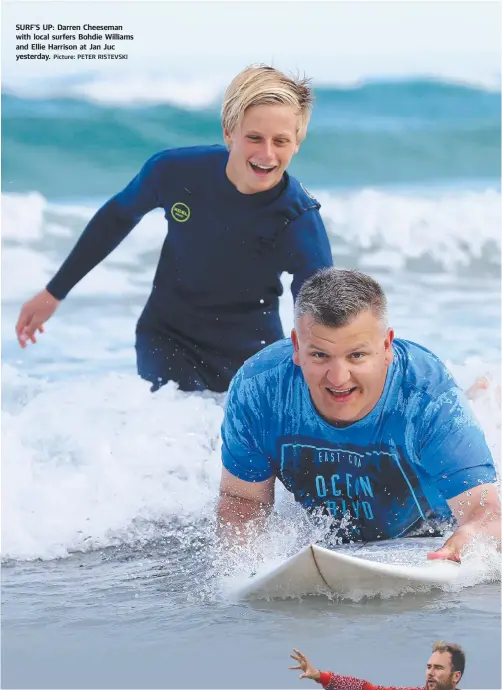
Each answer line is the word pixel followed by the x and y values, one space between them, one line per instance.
pixel 33 316
pixel 309 671
pixel 477 512
pixel 453 547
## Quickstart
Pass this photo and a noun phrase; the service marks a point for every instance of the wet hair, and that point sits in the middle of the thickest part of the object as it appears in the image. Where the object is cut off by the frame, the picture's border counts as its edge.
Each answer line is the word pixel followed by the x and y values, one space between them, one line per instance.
pixel 333 297
pixel 456 652
pixel 265 85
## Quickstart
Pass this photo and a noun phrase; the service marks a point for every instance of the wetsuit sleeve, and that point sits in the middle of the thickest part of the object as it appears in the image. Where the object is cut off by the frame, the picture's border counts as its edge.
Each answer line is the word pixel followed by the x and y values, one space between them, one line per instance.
pixel 453 448
pixel 306 248
pixel 332 681
pixel 241 453
pixel 108 227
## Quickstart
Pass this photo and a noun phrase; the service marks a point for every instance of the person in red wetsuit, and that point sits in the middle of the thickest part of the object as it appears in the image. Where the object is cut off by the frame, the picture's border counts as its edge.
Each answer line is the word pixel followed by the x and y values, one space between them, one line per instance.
pixel 444 670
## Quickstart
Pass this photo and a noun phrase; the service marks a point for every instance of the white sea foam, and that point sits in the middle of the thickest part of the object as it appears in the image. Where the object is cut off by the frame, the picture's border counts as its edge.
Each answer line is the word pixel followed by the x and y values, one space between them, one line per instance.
pixel 453 228
pixel 23 216
pixel 83 460
pixel 390 230
pixel 99 461
pixel 24 271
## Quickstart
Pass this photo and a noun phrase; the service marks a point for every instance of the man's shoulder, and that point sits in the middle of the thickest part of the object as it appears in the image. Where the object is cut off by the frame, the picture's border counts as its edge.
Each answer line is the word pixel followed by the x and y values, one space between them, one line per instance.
pixel 266 383
pixel 262 378
pixel 422 370
pixel 273 361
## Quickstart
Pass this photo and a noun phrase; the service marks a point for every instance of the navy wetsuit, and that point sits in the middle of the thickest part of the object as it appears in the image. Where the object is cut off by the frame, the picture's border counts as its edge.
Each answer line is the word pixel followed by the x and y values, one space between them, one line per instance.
pixel 215 296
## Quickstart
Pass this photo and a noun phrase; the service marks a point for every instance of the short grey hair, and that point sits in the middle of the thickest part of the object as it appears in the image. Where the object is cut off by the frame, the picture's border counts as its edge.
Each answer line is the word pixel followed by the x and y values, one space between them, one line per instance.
pixel 333 297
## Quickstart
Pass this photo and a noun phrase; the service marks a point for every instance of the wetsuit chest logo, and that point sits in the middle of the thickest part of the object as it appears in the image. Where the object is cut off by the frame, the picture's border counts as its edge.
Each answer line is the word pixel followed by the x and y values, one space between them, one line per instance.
pixel 180 212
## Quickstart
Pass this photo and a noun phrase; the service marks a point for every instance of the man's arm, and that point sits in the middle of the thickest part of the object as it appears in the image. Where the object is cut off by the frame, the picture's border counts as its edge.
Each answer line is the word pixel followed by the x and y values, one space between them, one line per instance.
pixel 477 512
pixel 248 477
pixel 455 454
pixel 333 681
pixel 243 506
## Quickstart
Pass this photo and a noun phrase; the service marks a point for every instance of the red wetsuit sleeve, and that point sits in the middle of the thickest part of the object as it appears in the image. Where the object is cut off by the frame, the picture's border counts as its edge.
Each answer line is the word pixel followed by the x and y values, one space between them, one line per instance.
pixel 332 681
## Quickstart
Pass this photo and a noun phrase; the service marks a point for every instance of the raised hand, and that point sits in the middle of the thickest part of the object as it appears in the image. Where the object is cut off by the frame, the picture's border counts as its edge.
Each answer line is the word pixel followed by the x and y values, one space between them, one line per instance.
pixel 309 671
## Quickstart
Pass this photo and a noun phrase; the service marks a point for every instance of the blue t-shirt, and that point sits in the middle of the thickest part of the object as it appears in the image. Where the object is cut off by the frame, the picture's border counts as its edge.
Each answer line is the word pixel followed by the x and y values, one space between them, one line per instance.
pixel 384 474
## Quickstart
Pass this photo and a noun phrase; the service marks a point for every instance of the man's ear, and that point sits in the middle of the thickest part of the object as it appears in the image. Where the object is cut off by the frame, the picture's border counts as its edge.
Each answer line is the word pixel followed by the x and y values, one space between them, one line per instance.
pixel 389 339
pixel 296 347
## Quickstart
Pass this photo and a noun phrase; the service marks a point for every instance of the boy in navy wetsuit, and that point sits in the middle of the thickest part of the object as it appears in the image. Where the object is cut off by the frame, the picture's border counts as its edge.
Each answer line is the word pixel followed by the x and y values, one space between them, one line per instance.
pixel 236 219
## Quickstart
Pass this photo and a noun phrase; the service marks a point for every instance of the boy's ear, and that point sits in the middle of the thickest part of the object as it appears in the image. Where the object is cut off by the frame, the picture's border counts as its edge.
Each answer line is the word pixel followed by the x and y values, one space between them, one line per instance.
pixel 226 136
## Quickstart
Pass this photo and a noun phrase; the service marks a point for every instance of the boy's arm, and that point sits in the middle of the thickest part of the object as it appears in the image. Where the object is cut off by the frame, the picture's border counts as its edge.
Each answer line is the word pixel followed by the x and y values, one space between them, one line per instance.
pixel 107 228
pixel 306 248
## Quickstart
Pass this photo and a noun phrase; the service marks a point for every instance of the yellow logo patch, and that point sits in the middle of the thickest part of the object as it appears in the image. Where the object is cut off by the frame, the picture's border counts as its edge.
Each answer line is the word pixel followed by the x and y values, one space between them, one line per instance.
pixel 180 212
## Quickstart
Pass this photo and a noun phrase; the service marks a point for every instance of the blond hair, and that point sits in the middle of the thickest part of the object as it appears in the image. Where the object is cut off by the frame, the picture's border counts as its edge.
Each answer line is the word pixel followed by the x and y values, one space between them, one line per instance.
pixel 264 85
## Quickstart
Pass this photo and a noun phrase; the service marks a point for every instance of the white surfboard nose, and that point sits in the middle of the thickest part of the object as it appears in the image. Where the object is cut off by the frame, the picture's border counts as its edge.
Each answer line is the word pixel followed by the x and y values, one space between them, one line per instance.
pixel 316 570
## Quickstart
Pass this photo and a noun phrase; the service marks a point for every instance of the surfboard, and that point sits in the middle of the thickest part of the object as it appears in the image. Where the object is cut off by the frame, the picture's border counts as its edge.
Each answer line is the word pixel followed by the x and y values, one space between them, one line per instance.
pixel 317 570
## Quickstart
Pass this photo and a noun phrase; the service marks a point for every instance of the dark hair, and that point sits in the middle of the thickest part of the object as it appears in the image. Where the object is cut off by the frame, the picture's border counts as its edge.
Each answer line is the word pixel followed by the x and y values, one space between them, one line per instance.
pixel 456 652
pixel 335 296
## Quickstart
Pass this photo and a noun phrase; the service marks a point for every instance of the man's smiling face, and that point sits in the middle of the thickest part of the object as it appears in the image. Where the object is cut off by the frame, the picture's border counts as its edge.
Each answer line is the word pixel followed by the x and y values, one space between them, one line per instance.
pixel 345 367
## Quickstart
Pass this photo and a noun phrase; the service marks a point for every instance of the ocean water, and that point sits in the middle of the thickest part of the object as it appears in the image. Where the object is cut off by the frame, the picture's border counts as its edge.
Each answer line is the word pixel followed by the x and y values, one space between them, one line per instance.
pixel 111 577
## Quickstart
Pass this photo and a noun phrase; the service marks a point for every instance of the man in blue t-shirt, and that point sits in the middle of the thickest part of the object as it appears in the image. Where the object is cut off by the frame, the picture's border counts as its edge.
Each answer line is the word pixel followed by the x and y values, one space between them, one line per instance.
pixel 237 221
pixel 370 430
